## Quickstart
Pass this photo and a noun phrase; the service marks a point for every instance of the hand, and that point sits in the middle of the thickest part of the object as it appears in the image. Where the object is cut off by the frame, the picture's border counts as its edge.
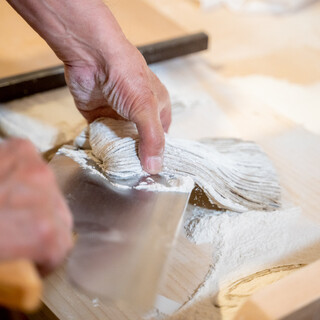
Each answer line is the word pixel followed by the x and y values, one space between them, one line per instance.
pixel 124 86
pixel 107 76
pixel 35 222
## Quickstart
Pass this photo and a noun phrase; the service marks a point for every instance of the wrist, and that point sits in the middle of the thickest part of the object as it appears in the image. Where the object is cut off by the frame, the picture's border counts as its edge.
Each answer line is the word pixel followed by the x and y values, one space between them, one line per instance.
pixel 97 43
pixel 78 31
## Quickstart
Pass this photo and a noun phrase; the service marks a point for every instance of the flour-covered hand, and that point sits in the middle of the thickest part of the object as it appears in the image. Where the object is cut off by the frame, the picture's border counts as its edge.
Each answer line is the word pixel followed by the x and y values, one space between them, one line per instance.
pixel 35 222
pixel 123 85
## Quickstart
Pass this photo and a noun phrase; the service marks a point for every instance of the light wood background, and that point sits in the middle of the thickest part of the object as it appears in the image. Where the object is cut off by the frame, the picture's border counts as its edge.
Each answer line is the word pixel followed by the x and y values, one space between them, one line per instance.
pixel 23 50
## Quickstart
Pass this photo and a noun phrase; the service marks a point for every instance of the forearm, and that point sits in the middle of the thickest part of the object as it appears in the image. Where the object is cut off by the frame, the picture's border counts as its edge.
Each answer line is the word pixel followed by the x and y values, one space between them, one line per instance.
pixel 103 71
pixel 77 31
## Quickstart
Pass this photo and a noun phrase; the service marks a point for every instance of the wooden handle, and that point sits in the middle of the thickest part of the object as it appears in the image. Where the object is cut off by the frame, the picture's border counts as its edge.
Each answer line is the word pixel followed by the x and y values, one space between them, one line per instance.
pixel 20 285
pixel 295 297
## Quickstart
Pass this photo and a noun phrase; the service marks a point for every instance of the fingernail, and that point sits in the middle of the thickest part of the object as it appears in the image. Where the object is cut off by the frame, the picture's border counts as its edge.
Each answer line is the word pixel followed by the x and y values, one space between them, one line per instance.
pixel 154 165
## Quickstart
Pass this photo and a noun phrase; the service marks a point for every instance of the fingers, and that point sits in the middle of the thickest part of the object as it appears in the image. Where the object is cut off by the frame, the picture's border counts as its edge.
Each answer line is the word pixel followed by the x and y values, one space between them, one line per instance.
pixel 125 85
pixel 152 122
pixel 164 105
pixel 152 140
pixel 165 117
pixel 35 221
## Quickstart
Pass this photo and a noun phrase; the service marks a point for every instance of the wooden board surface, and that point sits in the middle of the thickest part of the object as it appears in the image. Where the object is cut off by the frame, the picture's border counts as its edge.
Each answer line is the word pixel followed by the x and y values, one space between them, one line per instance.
pixel 295 297
pixel 285 46
pixel 296 155
pixel 23 50
pixel 294 151
pixel 187 267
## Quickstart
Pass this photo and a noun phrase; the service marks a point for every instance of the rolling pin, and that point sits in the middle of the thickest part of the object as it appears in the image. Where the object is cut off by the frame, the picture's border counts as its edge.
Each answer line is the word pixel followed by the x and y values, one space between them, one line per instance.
pixel 294 297
pixel 20 285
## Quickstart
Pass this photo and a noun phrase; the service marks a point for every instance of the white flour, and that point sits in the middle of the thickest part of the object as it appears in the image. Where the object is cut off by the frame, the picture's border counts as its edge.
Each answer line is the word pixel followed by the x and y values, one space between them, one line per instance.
pixel 92 165
pixel 84 158
pixel 13 124
pixel 245 243
pixel 259 247
pixel 47 119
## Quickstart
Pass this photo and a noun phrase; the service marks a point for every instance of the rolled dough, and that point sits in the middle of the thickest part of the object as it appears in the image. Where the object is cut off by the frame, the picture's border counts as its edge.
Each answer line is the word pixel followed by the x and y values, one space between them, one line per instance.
pixel 234 174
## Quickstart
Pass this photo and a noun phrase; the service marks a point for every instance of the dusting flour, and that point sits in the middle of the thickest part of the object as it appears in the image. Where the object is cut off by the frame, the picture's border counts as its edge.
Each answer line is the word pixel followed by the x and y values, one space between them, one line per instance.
pixel 256 247
pixel 47 119
pixel 250 249
pixel 163 183
pixel 13 124
pixel 234 174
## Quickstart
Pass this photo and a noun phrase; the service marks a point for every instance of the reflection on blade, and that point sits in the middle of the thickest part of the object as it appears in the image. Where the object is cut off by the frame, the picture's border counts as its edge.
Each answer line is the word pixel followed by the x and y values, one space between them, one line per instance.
pixel 124 234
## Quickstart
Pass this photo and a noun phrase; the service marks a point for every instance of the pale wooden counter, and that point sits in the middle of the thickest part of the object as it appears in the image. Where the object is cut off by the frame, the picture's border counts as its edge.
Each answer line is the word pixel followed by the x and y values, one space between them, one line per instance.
pixel 240 45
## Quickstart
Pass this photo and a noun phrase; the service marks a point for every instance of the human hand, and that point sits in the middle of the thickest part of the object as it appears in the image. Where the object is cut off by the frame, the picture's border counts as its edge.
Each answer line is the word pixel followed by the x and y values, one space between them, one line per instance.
pixel 35 222
pixel 107 76
pixel 123 85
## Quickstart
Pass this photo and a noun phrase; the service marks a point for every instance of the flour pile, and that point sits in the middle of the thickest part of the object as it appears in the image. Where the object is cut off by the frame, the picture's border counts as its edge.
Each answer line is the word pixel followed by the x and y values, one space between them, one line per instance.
pixel 250 250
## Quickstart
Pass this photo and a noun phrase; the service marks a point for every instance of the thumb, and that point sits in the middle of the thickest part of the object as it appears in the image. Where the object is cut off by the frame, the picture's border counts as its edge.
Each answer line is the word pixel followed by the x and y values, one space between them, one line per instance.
pixel 152 140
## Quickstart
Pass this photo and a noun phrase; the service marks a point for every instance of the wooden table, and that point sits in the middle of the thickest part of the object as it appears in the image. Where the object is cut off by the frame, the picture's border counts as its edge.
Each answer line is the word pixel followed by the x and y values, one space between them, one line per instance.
pixel 294 150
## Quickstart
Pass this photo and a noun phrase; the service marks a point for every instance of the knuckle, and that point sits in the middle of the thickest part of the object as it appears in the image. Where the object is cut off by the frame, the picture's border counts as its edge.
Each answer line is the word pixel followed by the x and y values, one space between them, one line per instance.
pixel 144 105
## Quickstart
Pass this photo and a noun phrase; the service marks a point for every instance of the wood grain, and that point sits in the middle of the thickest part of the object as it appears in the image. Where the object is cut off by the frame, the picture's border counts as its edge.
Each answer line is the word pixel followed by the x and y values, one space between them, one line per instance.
pixel 295 297
pixel 294 151
pixel 187 267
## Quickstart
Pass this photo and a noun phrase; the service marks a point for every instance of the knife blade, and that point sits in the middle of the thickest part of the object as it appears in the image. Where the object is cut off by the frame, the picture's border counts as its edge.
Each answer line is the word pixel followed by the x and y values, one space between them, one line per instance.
pixel 124 234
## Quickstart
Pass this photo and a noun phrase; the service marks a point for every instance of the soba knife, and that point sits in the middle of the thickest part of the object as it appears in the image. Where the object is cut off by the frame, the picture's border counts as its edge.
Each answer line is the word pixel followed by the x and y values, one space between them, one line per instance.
pixel 124 234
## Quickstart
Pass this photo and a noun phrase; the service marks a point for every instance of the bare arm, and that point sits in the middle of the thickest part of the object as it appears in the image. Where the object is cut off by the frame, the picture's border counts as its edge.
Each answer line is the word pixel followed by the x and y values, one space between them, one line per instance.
pixel 105 73
pixel 77 31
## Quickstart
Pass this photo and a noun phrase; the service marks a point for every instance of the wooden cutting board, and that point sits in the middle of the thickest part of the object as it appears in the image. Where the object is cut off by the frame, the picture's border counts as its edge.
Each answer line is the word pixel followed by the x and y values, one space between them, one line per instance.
pixel 296 155
pixel 188 266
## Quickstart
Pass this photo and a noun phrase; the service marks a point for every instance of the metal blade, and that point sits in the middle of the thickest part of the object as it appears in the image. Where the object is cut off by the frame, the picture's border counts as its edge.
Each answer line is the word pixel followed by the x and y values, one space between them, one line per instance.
pixel 124 235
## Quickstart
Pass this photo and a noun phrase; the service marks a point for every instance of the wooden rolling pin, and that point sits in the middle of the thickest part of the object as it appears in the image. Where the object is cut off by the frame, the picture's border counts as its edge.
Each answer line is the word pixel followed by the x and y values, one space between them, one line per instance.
pixel 294 297
pixel 20 285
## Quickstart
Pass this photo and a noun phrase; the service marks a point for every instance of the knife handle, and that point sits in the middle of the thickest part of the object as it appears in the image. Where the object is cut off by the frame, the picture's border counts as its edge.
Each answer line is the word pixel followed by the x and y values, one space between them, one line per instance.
pixel 20 285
